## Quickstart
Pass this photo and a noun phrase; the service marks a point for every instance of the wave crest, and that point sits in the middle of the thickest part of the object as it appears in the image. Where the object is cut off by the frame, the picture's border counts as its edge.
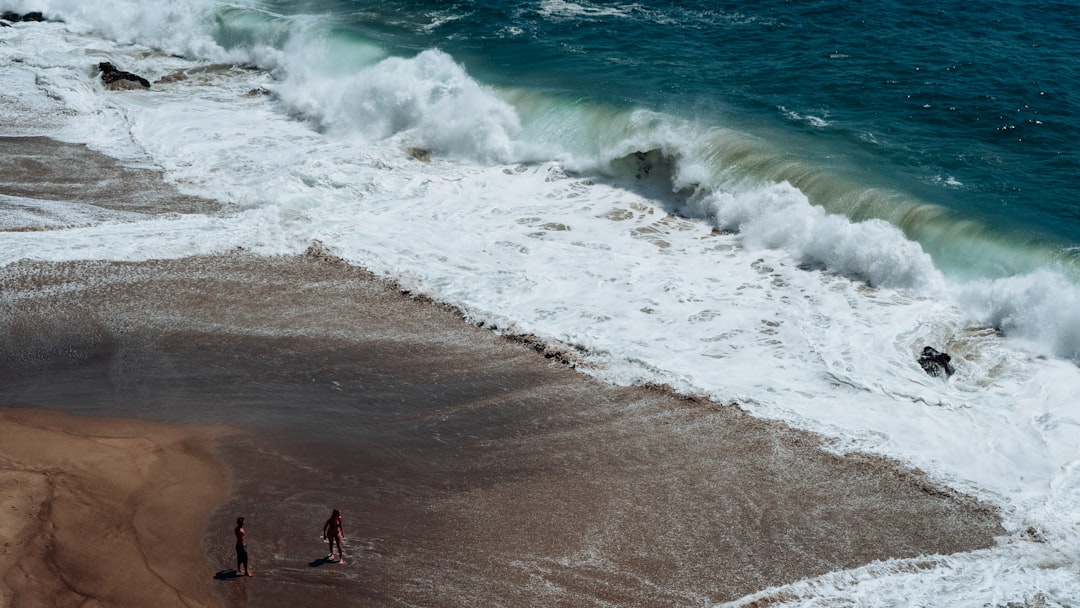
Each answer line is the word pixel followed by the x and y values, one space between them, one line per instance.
pixel 428 100
pixel 1041 308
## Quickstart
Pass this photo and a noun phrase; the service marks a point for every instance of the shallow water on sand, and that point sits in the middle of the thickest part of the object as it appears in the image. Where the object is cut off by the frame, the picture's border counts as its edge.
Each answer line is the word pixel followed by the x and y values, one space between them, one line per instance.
pixel 470 469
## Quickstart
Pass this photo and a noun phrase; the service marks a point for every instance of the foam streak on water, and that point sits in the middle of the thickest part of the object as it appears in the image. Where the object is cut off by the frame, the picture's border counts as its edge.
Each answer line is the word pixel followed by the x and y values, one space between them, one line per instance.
pixel 639 239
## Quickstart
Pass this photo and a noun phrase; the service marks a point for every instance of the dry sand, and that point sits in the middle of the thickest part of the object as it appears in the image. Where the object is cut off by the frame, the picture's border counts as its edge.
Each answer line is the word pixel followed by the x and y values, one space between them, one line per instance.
pixel 99 512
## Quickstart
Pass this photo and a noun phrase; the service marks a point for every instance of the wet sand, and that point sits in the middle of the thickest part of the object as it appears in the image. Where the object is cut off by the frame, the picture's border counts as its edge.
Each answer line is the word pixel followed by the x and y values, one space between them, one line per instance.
pixel 44 169
pixel 472 469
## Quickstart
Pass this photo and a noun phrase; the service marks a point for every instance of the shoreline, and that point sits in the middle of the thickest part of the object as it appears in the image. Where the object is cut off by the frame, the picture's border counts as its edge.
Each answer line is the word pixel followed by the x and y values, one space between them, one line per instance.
pixel 102 511
pixel 471 466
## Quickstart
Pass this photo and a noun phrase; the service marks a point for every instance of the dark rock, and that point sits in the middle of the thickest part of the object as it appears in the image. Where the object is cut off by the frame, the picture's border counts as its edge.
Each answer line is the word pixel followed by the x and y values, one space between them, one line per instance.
pixel 119 79
pixel 15 17
pixel 171 78
pixel 936 363
pixel 420 154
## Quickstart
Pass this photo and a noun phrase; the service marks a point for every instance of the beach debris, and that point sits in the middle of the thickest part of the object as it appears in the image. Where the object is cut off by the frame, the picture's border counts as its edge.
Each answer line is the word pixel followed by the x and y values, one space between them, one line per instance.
pixel 115 79
pixel 936 363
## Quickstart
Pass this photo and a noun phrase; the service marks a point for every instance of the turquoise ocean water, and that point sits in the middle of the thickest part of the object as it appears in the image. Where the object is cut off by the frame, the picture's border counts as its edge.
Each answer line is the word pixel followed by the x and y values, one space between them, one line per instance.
pixel 962 119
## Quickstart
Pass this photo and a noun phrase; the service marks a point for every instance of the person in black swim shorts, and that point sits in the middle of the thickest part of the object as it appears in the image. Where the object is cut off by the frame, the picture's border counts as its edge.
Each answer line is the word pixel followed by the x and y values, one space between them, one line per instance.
pixel 241 547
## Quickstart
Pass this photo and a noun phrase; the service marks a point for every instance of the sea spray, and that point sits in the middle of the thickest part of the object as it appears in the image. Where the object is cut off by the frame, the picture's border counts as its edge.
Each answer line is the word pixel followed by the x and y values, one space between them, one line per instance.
pixel 1040 309
pixel 182 28
pixel 427 100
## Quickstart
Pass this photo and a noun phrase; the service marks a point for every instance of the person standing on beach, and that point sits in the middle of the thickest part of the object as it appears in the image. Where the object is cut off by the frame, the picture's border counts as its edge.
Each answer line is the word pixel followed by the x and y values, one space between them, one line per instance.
pixel 333 532
pixel 241 547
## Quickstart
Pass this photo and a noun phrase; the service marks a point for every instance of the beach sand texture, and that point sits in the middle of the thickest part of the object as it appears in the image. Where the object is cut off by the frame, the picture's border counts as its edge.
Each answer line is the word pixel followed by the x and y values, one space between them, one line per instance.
pixel 471 469
pixel 99 512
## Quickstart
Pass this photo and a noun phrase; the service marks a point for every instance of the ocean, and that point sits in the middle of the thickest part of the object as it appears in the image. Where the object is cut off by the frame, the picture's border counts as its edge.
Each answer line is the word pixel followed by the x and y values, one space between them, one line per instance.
pixel 774 203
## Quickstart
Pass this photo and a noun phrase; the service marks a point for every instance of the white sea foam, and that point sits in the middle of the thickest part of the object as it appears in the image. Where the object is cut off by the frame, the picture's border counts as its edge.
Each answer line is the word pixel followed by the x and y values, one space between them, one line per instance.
pixel 565 9
pixel 798 314
pixel 1019 573
pixel 810 119
pixel 179 28
pixel 1041 308
pixel 18 213
pixel 428 100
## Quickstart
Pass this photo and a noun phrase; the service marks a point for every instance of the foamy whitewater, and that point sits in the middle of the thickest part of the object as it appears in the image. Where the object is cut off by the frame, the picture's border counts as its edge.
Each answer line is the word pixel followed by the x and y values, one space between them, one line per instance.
pixel 690 248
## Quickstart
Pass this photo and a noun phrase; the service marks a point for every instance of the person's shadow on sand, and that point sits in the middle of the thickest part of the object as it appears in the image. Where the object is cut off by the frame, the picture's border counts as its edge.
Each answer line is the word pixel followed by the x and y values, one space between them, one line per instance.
pixel 228 575
pixel 322 561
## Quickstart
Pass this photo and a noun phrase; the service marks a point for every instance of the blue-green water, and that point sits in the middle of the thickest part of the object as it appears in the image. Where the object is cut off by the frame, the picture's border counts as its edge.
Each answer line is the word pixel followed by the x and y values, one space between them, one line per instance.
pixel 954 124
pixel 971 108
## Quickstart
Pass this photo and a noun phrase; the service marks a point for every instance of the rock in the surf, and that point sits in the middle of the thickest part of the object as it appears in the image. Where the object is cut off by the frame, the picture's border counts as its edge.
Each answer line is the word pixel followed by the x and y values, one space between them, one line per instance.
pixel 936 363
pixel 115 79
pixel 16 17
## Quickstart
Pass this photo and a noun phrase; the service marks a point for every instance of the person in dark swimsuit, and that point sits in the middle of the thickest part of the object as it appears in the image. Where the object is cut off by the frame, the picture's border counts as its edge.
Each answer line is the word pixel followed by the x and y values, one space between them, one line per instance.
pixel 334 533
pixel 241 547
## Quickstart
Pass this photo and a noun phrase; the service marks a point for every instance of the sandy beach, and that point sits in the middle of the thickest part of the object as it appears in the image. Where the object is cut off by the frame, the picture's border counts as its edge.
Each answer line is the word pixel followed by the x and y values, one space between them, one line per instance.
pixel 472 468
pixel 99 512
